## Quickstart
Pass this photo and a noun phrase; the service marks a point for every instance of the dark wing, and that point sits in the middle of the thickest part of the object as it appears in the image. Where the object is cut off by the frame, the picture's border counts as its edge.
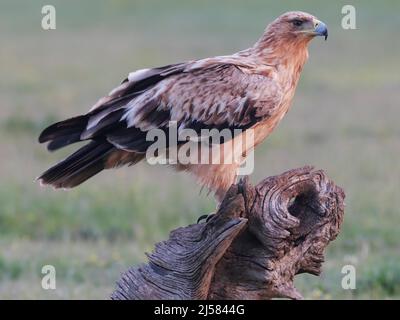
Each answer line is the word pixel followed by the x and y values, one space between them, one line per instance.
pixel 219 97
pixel 206 96
pixel 108 110
pixel 209 94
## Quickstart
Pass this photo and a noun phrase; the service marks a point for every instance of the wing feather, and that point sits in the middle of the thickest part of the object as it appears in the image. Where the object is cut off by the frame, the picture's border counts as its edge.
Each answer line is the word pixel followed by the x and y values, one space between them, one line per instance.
pixel 217 97
pixel 209 94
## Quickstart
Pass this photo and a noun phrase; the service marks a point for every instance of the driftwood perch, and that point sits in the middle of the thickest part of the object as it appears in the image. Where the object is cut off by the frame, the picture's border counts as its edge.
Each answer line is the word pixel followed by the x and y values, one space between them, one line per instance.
pixel 260 238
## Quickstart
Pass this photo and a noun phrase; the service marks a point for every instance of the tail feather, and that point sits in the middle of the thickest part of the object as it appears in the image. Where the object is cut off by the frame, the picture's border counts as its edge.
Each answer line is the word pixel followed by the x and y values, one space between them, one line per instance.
pixel 63 141
pixel 64 133
pixel 78 167
pixel 98 154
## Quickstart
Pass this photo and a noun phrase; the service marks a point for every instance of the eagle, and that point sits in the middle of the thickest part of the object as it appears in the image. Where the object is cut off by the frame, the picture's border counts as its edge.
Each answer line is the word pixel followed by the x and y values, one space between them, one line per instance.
pixel 248 91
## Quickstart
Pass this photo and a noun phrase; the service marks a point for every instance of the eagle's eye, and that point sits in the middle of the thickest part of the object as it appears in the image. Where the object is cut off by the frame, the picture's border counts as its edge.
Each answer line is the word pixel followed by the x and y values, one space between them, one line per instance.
pixel 297 22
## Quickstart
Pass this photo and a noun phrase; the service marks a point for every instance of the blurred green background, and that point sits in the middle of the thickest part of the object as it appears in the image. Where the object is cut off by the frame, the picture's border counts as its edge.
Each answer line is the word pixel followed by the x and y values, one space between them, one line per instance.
pixel 345 119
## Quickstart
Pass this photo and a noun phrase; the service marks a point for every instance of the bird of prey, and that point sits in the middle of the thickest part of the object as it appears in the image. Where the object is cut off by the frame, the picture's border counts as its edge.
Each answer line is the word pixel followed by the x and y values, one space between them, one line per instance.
pixel 249 90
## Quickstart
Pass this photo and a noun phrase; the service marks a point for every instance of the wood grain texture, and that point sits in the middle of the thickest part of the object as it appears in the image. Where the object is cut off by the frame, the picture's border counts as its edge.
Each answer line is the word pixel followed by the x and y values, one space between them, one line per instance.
pixel 259 240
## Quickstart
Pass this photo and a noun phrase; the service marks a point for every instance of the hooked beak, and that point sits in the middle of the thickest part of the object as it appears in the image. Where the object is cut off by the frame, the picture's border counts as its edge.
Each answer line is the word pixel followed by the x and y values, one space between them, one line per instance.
pixel 320 29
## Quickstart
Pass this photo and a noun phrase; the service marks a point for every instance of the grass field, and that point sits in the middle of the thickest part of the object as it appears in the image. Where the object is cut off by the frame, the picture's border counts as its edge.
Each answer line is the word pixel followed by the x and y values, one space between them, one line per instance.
pixel 345 119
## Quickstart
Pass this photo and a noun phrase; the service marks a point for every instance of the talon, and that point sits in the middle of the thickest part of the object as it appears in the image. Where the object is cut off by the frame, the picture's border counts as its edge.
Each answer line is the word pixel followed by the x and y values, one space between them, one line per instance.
pixel 210 217
pixel 202 217
pixel 207 217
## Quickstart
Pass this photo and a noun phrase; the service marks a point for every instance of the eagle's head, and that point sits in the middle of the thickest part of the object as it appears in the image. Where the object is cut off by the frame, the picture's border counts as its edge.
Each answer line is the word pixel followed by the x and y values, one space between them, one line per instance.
pixel 297 25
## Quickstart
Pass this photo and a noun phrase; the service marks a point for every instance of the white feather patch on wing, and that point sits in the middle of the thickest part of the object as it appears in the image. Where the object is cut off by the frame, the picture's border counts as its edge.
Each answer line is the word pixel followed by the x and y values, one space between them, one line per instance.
pixel 132 77
pixel 137 75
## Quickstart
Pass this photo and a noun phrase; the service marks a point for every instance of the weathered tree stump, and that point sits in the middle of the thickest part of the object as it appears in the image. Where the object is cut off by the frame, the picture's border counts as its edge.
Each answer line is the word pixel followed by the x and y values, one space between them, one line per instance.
pixel 260 238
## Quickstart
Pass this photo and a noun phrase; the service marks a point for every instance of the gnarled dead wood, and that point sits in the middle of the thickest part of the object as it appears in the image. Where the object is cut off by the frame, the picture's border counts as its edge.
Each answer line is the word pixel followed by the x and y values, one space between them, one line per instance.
pixel 260 238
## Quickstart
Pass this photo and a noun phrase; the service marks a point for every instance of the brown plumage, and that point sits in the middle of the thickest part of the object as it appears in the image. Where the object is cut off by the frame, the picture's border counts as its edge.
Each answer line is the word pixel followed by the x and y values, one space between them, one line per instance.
pixel 251 89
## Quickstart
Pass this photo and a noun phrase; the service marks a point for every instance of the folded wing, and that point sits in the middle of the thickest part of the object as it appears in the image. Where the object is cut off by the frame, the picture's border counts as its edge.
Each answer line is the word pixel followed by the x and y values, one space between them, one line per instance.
pixel 210 95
